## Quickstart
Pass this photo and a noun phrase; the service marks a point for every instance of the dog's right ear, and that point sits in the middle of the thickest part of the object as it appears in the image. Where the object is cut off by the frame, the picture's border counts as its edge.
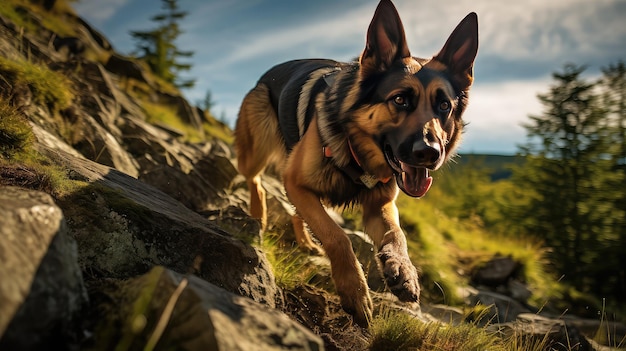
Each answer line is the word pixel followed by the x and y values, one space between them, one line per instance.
pixel 386 41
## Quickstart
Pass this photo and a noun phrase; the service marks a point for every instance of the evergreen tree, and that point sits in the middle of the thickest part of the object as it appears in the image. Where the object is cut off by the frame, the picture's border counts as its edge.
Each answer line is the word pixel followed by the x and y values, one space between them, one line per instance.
pixel 157 47
pixel 565 175
pixel 613 89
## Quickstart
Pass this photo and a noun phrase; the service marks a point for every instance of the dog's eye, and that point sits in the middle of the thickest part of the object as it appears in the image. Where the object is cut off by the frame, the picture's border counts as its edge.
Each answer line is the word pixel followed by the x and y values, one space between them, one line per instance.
pixel 444 106
pixel 400 100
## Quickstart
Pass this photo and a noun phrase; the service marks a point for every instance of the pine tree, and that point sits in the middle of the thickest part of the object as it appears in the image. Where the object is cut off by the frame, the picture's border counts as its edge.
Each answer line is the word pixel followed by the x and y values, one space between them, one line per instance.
pixel 157 47
pixel 613 89
pixel 564 175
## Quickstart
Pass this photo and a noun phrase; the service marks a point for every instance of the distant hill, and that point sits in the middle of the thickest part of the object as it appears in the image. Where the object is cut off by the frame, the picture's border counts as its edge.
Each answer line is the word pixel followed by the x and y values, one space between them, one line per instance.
pixel 499 166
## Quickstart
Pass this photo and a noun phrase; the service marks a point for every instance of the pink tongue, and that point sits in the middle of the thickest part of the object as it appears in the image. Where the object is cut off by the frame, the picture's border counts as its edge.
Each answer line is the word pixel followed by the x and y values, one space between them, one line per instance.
pixel 415 181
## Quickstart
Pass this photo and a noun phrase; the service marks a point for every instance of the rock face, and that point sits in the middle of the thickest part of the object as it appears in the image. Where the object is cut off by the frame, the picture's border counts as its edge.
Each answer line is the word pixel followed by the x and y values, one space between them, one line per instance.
pixel 185 312
pixel 138 226
pixel 42 290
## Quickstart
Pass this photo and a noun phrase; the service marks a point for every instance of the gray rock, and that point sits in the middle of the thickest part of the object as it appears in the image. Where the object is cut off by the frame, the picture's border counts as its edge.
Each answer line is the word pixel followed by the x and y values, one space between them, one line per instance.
pixel 101 146
pixel 195 315
pixel 124 227
pixel 201 185
pixel 500 308
pixel 445 314
pixel 496 271
pixel 552 334
pixel 364 249
pixel 127 67
pixel 42 291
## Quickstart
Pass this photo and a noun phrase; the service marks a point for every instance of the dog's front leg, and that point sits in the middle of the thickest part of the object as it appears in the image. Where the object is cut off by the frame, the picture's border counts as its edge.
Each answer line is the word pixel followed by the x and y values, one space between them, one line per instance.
pixel 300 178
pixel 346 271
pixel 382 224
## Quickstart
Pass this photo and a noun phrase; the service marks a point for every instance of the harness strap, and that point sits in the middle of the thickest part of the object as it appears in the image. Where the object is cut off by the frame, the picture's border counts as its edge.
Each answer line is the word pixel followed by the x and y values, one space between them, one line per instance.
pixel 354 170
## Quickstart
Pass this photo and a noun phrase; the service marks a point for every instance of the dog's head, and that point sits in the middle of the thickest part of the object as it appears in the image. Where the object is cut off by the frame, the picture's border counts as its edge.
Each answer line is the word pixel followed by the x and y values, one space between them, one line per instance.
pixel 413 107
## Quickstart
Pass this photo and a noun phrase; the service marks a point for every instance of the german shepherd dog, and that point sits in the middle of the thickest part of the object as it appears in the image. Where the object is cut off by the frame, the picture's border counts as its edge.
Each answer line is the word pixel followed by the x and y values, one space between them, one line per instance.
pixel 344 134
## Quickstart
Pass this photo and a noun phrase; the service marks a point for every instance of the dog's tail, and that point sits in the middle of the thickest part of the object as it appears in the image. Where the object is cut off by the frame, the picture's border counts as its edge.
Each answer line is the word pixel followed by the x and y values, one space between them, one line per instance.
pixel 258 141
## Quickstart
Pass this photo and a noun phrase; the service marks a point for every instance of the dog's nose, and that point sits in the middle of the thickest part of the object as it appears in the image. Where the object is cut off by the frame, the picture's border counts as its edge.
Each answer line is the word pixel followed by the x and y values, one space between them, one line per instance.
pixel 426 154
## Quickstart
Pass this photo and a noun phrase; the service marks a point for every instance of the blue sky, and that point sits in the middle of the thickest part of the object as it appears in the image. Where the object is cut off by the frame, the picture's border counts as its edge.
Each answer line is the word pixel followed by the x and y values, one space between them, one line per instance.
pixel 521 44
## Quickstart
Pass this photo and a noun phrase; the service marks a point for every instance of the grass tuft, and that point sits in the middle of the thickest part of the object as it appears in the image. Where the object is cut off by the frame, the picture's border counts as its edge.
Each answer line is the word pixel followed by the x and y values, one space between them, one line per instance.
pixel 166 115
pixel 395 330
pixel 290 267
pixel 16 135
pixel 48 87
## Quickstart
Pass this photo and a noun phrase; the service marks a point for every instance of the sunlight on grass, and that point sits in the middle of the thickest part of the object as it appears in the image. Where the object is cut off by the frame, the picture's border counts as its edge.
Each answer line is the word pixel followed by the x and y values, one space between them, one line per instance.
pixel 20 163
pixel 16 134
pixel 289 265
pixel 447 250
pixel 159 113
pixel 56 23
pixel 48 87
pixel 396 330
pixel 399 331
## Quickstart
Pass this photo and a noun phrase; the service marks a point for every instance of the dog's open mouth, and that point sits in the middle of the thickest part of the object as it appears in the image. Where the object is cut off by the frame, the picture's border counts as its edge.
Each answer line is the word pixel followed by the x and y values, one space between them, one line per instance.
pixel 413 180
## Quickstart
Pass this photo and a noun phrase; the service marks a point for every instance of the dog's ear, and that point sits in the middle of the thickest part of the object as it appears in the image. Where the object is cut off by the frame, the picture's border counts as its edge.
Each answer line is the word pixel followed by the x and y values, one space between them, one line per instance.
pixel 386 41
pixel 460 50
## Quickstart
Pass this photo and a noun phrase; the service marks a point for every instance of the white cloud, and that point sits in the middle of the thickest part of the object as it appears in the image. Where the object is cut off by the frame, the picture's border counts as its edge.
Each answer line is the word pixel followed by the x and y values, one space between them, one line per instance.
pixel 313 37
pixel 98 12
pixel 496 112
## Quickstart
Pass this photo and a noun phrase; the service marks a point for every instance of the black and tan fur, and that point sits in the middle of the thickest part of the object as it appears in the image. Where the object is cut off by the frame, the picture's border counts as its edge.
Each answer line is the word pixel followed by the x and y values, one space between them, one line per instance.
pixel 341 133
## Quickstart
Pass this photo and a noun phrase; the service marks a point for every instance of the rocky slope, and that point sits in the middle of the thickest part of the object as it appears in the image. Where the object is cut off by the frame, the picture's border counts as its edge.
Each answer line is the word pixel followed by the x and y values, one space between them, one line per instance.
pixel 143 240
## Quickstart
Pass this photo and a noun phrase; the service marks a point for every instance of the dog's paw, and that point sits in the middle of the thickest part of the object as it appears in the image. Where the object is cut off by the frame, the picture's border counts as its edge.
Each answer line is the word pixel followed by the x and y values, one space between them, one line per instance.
pixel 359 305
pixel 400 275
pixel 354 294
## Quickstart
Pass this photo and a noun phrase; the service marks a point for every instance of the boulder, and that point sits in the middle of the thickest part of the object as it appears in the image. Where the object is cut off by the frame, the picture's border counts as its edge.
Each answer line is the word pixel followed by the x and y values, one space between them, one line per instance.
pixel 42 291
pixel 183 312
pixel 500 308
pixel 495 272
pixel 124 227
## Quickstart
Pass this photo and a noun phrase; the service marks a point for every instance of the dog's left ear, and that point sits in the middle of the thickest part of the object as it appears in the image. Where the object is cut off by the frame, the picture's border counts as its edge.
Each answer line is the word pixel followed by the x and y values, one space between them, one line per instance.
pixel 386 41
pixel 460 50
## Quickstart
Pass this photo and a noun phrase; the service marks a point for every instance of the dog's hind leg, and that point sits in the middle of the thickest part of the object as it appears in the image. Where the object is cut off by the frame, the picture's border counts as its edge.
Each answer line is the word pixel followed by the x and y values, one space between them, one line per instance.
pixel 257 143
pixel 303 237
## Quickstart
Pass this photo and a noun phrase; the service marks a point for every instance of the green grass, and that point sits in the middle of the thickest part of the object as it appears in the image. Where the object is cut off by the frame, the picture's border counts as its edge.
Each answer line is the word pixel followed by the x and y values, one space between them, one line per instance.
pixel 395 330
pixel 20 163
pixel 392 330
pixel 289 265
pixel 48 87
pixel 217 129
pixel 53 20
pixel 160 113
pixel 16 135
pixel 447 248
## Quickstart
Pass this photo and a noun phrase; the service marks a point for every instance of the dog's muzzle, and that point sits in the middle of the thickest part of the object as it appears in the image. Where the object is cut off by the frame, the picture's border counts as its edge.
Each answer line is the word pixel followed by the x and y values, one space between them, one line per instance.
pixel 413 177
